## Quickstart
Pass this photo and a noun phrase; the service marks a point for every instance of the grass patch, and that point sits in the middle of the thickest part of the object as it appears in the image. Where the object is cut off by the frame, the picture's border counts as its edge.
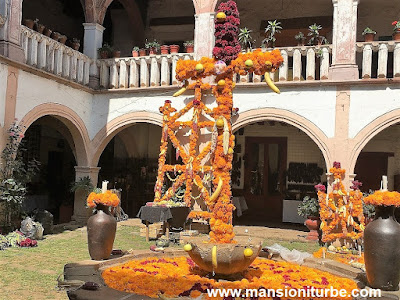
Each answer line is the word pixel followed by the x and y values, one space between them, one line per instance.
pixel 309 247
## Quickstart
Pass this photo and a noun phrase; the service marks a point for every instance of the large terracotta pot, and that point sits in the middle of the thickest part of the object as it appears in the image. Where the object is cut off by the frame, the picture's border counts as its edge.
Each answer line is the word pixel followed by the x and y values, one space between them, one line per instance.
pixel 369 37
pixel 101 229
pixel 382 250
pixel 313 224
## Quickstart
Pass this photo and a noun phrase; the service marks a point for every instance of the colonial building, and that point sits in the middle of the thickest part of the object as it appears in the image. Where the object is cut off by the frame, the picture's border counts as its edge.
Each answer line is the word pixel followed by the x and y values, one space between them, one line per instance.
pixel 89 116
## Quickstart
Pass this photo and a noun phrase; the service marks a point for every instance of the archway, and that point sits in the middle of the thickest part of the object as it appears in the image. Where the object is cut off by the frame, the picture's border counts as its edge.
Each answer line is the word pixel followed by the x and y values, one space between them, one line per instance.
pixel 277 162
pixel 130 163
pixel 49 141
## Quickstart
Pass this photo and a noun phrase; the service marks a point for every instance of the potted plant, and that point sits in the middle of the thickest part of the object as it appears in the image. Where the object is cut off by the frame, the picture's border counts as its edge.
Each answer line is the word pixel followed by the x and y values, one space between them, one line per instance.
pixel 315 37
pixel 396 30
pixel 272 28
pixel 245 38
pixel 174 48
pixel 62 39
pixel 142 52
pixel 75 44
pixel 116 53
pixel 189 46
pixel 135 51
pixel 47 32
pixel 309 208
pixel 300 38
pixel 368 34
pixel 164 49
pixel 29 23
pixel 55 35
pixel 38 27
pixel 152 47
pixel 105 51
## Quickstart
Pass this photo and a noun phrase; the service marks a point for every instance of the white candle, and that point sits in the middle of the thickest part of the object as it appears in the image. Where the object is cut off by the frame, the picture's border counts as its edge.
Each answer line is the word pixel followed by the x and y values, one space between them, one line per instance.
pixel 359 250
pixel 104 186
pixel 384 183
pixel 323 253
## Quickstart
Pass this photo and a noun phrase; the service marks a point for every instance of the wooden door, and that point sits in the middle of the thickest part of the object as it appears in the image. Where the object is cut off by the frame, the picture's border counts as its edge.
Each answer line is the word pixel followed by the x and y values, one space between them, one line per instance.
pixel 265 164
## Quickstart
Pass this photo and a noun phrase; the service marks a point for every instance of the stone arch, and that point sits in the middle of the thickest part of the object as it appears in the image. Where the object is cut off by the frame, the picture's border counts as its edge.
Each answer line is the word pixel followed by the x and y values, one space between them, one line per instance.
pixel 90 11
pixel 71 120
pixel 369 132
pixel 104 136
pixel 204 6
pixel 280 115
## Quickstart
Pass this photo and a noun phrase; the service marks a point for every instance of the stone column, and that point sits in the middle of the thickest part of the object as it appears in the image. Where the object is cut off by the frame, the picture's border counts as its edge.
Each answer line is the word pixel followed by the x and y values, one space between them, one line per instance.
pixel 344 40
pixel 204 34
pixel 10 29
pixel 93 40
pixel 81 213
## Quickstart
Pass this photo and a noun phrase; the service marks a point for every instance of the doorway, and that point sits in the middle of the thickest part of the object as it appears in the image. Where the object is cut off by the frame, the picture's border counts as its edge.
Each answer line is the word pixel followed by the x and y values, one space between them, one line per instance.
pixel 264 182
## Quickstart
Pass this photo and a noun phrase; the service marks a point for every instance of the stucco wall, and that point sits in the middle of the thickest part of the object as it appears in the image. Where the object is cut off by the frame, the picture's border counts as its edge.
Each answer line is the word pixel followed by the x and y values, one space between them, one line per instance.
pixel 3 89
pixel 370 102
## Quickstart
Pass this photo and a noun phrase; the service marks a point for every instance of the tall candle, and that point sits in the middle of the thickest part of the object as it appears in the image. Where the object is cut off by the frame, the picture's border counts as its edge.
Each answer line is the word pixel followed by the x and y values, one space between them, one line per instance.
pixel 104 186
pixel 384 183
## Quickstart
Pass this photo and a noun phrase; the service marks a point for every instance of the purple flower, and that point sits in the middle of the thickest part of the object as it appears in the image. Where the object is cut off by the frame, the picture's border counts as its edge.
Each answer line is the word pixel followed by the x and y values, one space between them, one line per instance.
pixel 356 185
pixel 320 188
pixel 336 165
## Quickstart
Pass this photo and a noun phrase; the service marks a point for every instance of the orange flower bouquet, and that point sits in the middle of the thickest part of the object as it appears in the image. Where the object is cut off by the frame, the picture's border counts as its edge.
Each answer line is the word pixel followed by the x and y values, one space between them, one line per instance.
pixel 385 198
pixel 107 199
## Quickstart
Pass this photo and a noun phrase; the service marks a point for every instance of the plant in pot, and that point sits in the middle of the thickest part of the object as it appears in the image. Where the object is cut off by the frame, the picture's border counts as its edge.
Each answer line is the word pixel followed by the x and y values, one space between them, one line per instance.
pixel 38 27
pixel 152 47
pixel 135 51
pixel 116 53
pixel 55 35
pixel 396 30
pixel 174 48
pixel 271 30
pixel 315 37
pixel 309 208
pixel 245 39
pixel 368 34
pixel 62 39
pixel 189 46
pixel 29 23
pixel 105 51
pixel 47 31
pixel 300 38
pixel 164 49
pixel 75 44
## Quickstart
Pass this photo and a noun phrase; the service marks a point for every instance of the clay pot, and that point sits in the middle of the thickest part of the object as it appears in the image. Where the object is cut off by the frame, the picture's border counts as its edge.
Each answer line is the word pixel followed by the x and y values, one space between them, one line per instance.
pixel 39 27
pixel 369 37
pixel 230 257
pixel 47 32
pixel 62 39
pixel 174 49
pixel 164 49
pixel 75 45
pixel 152 51
pixel 55 35
pixel 142 52
pixel 116 54
pixel 135 53
pixel 189 49
pixel 29 23
pixel 104 54
pixel 382 250
pixel 396 36
pixel 313 224
pixel 101 229
pixel 301 42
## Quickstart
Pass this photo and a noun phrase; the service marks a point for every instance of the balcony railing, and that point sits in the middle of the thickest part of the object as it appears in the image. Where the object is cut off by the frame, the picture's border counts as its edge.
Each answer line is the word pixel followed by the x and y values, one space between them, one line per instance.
pixel 140 72
pixel 49 55
pixel 379 59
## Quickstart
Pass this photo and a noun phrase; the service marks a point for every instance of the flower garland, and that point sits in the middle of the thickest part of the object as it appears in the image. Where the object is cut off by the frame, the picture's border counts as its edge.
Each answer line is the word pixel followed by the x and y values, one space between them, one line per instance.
pixel 341 213
pixel 179 277
pixel 108 199
pixel 385 198
pixel 199 215
pixel 347 259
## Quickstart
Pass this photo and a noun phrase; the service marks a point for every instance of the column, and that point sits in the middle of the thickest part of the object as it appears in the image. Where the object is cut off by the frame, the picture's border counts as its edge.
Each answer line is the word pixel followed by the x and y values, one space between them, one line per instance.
pixel 344 40
pixel 93 40
pixel 81 213
pixel 10 31
pixel 204 34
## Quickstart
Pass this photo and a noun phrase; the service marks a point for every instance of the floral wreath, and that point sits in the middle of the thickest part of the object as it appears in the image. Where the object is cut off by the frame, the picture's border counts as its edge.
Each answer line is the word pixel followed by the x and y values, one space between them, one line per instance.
pixel 108 199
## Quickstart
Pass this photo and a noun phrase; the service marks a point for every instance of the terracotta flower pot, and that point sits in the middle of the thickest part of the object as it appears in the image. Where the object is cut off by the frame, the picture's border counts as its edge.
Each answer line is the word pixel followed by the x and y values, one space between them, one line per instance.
pixel 104 54
pixel 189 49
pixel 62 39
pixel 39 27
pixel 135 53
pixel 116 54
pixel 382 250
pixel 75 45
pixel 47 32
pixel 55 35
pixel 313 224
pixel 301 42
pixel 396 35
pixel 101 229
pixel 29 23
pixel 142 52
pixel 164 49
pixel 174 48
pixel 369 37
pixel 152 51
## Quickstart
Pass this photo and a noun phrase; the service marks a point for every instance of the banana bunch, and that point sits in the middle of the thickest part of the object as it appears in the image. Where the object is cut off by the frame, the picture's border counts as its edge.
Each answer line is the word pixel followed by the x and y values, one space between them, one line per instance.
pixel 268 79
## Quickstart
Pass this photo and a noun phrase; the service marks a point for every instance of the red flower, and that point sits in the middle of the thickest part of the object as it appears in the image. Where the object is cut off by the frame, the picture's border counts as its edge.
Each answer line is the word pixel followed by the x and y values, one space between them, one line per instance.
pixel 394 23
pixel 167 101
pixel 336 165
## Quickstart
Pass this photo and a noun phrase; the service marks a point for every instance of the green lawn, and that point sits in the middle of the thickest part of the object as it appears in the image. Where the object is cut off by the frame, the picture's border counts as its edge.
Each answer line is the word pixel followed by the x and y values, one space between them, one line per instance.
pixel 31 273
